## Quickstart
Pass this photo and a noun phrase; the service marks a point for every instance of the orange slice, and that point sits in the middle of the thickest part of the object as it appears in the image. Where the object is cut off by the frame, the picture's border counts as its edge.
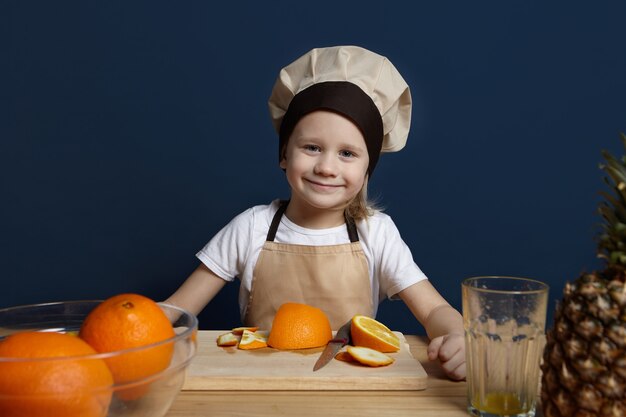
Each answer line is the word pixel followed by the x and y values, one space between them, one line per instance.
pixel 367 332
pixel 344 356
pixel 239 330
pixel 252 340
pixel 227 339
pixel 369 357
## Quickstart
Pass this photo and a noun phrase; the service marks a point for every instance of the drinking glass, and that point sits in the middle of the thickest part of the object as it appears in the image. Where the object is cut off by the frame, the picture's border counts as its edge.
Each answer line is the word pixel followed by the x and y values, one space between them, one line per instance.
pixel 504 320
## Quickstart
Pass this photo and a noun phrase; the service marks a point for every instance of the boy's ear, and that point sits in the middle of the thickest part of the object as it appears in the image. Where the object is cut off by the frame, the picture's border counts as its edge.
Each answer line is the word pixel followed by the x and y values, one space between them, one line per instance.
pixel 283 157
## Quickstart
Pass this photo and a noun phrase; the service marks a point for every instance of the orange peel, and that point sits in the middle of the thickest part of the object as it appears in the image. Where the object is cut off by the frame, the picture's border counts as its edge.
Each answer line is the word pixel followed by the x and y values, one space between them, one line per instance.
pixel 227 339
pixel 239 330
pixel 252 340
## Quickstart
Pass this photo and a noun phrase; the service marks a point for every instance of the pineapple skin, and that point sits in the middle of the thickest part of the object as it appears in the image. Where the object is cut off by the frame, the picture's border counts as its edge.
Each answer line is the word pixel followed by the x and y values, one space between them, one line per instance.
pixel 584 361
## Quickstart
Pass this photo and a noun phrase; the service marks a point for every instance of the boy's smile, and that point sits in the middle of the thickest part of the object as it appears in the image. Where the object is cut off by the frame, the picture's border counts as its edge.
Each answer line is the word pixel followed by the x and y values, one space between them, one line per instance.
pixel 325 162
pixel 323 187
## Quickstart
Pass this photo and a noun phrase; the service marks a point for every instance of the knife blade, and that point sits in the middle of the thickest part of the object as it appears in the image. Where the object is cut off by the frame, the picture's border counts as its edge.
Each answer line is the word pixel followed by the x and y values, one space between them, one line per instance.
pixel 342 338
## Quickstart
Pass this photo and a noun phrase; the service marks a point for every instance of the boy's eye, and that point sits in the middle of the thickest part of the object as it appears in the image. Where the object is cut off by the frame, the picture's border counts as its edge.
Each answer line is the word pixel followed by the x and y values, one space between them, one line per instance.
pixel 346 154
pixel 312 148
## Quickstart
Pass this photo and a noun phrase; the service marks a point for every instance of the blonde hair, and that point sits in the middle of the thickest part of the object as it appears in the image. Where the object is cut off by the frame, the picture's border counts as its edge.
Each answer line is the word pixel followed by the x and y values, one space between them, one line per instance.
pixel 360 208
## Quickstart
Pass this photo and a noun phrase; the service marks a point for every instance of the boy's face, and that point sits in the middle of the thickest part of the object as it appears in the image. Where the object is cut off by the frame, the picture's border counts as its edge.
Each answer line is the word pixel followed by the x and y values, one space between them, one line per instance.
pixel 325 161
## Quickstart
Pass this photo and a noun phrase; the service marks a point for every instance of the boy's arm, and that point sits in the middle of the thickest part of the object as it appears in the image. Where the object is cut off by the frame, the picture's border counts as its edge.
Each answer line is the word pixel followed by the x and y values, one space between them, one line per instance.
pixel 431 309
pixel 197 290
pixel 443 324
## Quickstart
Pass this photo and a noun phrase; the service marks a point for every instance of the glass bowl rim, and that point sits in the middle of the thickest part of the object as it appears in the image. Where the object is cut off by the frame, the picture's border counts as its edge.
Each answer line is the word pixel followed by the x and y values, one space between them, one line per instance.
pixel 188 332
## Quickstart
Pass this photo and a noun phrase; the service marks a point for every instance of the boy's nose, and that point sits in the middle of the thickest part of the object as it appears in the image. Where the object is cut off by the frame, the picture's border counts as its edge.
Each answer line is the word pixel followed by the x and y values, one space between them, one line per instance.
pixel 326 165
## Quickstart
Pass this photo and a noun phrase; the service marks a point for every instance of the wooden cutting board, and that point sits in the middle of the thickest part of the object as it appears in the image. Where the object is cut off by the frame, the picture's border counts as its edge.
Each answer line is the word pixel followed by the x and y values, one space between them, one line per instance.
pixel 218 368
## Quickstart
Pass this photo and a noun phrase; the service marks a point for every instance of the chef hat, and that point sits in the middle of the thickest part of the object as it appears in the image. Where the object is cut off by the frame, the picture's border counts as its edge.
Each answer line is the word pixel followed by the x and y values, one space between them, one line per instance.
pixel 354 82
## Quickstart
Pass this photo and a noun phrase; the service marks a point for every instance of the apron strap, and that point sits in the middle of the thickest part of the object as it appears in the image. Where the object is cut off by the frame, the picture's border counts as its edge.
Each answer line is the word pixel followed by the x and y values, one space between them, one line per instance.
pixel 352 233
pixel 271 233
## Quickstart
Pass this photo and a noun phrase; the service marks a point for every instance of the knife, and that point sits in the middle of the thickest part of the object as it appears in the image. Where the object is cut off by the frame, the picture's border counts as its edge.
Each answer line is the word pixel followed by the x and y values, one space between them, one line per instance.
pixel 342 338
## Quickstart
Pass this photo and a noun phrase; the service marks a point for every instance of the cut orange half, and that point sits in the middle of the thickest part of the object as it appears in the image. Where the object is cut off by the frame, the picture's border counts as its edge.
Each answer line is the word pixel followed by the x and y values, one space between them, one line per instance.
pixel 367 332
pixel 369 357
pixel 251 340
pixel 299 326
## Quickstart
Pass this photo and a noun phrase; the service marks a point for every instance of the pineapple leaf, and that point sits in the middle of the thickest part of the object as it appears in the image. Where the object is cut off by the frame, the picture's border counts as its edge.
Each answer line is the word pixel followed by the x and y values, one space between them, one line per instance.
pixel 608 214
pixel 620 209
pixel 616 170
pixel 612 239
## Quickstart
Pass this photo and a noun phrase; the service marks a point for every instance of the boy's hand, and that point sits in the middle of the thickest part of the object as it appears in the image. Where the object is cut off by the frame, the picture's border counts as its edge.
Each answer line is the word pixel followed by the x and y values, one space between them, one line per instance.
pixel 450 350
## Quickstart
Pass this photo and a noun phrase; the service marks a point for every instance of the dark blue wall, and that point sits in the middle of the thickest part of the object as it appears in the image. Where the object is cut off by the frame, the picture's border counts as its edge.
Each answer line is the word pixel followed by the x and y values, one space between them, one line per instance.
pixel 131 132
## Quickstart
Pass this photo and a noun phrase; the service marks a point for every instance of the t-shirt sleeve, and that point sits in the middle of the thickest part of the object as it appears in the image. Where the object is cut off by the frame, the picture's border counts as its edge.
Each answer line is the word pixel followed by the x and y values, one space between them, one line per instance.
pixel 226 252
pixel 398 270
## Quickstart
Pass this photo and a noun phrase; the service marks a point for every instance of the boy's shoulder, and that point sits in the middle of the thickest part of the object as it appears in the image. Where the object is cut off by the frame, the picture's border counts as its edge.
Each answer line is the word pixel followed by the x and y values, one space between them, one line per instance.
pixel 265 210
pixel 260 213
pixel 378 218
pixel 377 223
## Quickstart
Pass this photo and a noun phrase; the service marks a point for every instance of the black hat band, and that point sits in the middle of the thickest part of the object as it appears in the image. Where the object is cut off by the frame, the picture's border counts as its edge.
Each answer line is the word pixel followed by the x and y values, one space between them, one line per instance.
pixel 342 97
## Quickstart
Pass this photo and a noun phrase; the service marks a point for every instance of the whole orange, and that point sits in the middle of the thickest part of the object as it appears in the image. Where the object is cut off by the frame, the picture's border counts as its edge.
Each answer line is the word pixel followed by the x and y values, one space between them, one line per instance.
pixel 299 326
pixel 128 321
pixel 66 384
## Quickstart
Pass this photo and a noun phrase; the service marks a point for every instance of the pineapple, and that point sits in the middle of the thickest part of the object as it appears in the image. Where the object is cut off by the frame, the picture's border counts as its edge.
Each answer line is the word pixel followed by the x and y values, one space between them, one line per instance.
pixel 584 361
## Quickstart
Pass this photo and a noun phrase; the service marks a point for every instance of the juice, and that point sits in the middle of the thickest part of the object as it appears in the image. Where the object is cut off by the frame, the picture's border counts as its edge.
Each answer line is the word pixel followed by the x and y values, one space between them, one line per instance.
pixel 499 403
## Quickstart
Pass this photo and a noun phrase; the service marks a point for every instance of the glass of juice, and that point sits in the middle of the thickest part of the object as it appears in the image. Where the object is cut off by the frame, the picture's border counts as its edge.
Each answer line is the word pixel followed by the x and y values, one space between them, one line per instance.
pixel 504 320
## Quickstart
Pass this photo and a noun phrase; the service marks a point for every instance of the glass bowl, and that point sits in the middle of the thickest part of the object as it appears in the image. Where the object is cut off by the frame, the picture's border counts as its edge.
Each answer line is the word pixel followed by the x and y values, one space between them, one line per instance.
pixel 151 396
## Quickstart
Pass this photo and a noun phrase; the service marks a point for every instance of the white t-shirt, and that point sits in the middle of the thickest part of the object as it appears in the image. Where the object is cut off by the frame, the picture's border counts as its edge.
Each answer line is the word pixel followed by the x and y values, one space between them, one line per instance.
pixel 234 250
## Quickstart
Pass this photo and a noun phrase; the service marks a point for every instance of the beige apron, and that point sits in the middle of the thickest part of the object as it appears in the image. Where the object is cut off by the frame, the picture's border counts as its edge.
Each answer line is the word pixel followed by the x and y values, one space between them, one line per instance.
pixel 334 278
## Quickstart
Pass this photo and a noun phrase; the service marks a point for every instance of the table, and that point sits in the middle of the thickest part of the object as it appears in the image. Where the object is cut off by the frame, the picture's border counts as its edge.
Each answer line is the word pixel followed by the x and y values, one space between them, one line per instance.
pixel 442 398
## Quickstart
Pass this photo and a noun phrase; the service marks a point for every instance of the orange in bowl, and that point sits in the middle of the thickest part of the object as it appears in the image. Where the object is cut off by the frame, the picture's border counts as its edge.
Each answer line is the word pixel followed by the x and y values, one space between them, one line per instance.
pixel 299 326
pixel 52 374
pixel 127 321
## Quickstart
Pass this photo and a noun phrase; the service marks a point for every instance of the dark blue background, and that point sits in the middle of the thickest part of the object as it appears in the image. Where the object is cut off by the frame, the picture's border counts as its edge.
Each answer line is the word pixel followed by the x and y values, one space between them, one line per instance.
pixel 131 132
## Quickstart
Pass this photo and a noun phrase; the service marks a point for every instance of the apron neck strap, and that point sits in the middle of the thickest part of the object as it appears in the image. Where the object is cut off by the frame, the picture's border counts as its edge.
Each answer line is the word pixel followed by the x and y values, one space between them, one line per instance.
pixel 271 234
pixel 352 233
